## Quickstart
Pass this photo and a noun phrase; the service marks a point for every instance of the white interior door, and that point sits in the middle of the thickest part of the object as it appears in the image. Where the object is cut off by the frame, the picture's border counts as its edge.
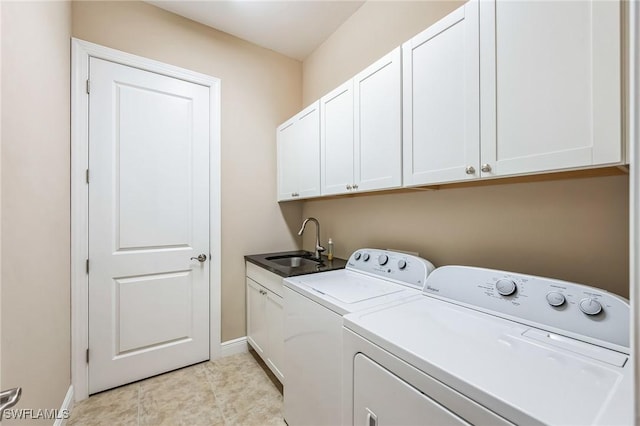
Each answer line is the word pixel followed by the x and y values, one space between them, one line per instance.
pixel 148 217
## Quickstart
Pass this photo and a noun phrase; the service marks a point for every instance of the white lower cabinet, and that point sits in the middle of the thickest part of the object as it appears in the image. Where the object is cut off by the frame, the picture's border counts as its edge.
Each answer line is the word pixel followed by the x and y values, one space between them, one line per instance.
pixel 265 317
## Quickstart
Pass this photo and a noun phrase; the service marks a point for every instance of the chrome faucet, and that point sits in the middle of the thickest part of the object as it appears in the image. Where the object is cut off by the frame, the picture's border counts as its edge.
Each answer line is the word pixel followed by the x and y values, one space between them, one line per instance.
pixel 319 249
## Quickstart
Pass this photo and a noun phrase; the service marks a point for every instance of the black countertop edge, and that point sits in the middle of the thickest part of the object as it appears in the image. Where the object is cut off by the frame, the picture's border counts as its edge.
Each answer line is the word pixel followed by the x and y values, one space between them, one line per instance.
pixel 286 271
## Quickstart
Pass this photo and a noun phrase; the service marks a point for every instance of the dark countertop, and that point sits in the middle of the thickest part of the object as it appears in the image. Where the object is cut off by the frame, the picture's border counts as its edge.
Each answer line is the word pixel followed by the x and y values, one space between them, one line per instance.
pixel 287 271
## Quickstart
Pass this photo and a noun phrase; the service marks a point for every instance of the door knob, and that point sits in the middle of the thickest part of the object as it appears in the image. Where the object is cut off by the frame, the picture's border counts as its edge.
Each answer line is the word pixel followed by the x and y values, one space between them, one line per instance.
pixel 9 398
pixel 200 258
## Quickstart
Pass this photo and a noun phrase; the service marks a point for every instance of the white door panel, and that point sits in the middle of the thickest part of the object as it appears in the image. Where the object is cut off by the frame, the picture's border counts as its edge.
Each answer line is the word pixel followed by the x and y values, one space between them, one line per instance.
pixel 287 161
pixel 308 152
pixel 441 102
pixel 336 140
pixel 141 324
pixel 153 163
pixel 378 124
pixel 550 78
pixel 274 317
pixel 148 215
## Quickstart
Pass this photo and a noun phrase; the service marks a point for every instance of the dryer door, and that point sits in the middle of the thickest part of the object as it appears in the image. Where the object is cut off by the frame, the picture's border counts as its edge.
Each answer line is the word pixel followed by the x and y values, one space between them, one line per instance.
pixel 382 398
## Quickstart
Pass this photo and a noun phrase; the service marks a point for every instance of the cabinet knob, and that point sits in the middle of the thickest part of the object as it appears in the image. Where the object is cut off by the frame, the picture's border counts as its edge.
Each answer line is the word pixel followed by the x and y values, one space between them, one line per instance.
pixel 348 187
pixel 486 168
pixel 470 170
pixel 355 186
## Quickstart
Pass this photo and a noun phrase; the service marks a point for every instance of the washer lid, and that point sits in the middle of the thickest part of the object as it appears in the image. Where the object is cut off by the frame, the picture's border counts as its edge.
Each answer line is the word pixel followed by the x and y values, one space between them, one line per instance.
pixel 350 287
pixel 345 291
pixel 496 363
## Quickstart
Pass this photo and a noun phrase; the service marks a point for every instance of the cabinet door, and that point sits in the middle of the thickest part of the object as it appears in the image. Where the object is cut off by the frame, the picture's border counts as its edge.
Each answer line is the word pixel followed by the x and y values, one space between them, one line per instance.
pixel 308 151
pixel 287 161
pixel 256 317
pixel 275 318
pixel 336 140
pixel 441 101
pixel 550 84
pixel 378 162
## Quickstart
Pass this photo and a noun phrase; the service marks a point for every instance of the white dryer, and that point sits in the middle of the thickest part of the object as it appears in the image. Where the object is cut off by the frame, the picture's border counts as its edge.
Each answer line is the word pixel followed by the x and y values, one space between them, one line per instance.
pixel 489 347
pixel 314 306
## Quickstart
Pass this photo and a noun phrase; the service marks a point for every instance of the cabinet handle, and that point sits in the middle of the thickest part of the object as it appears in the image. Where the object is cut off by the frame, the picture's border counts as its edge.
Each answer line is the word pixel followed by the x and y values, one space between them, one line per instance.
pixel 349 187
pixel 372 419
pixel 470 170
pixel 486 168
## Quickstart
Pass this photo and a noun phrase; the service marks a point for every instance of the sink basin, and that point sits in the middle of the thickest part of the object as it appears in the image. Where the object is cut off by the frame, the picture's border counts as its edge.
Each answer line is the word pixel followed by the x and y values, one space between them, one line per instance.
pixel 292 261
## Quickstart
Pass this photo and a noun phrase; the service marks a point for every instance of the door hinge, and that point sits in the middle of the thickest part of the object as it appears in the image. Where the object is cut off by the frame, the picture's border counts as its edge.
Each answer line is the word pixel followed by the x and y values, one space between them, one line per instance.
pixel 87 356
pixel 87 266
pixel 87 175
pixel 88 87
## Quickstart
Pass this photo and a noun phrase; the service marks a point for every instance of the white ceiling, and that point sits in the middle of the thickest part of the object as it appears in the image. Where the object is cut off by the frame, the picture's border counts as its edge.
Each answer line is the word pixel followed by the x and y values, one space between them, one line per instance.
pixel 294 28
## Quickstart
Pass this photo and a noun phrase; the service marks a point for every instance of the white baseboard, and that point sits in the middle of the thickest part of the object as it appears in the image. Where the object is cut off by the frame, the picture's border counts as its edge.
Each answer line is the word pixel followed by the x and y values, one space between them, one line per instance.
pixel 232 347
pixel 67 405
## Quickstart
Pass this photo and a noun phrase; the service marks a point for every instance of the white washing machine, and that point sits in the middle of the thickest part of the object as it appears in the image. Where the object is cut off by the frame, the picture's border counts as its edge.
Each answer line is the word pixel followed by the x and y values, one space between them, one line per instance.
pixel 489 347
pixel 314 306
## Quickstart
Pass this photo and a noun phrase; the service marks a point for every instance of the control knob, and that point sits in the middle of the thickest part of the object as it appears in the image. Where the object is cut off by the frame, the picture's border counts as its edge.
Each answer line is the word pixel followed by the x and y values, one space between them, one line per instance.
pixel 366 257
pixel 555 298
pixel 357 255
pixel 402 264
pixel 506 287
pixel 383 259
pixel 590 306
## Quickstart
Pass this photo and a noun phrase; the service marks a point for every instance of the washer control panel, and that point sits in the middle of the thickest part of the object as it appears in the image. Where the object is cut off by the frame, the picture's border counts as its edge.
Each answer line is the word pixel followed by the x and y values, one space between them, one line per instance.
pixel 575 310
pixel 401 267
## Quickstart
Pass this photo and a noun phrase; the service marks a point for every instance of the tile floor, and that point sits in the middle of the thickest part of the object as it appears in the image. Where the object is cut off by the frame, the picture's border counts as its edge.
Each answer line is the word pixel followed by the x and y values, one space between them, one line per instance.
pixel 234 390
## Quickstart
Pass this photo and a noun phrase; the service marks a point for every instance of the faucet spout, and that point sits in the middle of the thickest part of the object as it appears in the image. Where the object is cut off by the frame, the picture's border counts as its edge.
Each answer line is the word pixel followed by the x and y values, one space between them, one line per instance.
pixel 319 249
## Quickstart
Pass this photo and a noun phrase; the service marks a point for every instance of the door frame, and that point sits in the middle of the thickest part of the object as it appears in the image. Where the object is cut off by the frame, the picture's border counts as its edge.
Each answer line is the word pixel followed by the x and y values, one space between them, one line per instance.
pixel 81 51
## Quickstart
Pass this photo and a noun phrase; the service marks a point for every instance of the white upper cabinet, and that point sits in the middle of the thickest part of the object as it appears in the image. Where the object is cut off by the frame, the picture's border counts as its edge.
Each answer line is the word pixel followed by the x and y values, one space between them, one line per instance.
pixel 360 131
pixel 336 140
pixel 496 88
pixel 298 141
pixel 441 101
pixel 377 131
pixel 550 85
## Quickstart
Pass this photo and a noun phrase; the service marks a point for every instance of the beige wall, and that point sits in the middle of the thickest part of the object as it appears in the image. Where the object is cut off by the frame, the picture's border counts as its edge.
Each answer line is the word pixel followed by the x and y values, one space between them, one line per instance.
pixel 35 202
pixel 573 229
pixel 375 29
pixel 260 89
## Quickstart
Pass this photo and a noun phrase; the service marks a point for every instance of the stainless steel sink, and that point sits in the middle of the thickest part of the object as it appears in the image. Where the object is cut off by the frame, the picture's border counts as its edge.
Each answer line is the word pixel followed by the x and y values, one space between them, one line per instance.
pixel 292 261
